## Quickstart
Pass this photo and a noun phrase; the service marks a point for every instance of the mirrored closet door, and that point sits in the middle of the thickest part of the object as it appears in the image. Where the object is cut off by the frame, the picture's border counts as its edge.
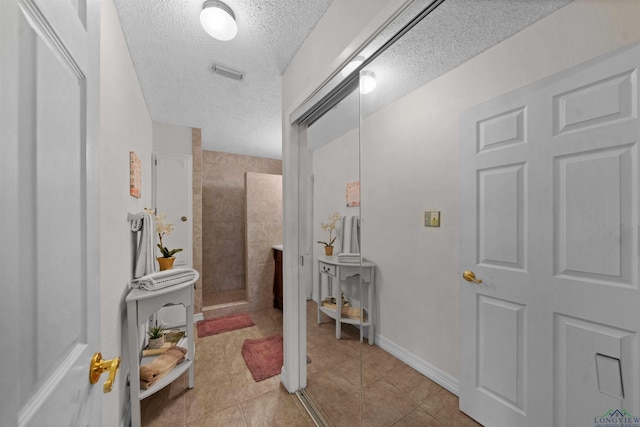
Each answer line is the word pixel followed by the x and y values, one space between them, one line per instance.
pixel 330 238
pixel 398 158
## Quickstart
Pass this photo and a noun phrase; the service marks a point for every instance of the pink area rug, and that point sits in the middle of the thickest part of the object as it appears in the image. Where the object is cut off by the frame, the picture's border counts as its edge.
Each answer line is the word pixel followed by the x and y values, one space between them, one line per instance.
pixel 224 324
pixel 263 356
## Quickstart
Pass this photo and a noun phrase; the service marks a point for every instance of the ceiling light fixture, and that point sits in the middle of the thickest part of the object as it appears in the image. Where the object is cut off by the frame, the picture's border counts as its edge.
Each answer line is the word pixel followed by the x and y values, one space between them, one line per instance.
pixel 355 63
pixel 367 82
pixel 227 72
pixel 218 20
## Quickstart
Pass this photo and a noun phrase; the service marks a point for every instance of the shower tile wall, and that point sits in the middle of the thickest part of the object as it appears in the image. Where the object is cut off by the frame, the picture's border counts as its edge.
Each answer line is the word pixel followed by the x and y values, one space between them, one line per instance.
pixel 196 149
pixel 223 219
pixel 264 229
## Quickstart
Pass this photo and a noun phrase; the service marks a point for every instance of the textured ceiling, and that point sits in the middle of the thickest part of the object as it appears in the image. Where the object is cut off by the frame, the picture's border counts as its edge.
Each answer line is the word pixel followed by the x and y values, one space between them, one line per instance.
pixel 173 56
pixel 454 33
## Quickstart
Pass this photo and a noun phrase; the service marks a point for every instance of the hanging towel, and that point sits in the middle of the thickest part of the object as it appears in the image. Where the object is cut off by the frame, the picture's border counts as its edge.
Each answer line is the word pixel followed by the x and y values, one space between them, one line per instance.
pixel 355 235
pixel 346 234
pixel 351 234
pixel 145 253
pixel 163 279
pixel 353 258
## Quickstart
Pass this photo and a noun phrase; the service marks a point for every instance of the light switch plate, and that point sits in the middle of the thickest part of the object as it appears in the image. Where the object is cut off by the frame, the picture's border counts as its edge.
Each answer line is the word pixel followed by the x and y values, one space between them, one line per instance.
pixel 432 218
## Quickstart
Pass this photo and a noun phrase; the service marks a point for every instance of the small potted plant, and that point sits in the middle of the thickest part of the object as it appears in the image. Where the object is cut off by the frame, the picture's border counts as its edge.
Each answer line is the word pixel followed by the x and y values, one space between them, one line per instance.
pixel 163 227
pixel 330 226
pixel 156 337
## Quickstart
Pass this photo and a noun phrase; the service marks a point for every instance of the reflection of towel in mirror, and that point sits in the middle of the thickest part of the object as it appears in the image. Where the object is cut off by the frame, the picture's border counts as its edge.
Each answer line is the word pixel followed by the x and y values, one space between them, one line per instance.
pixel 145 262
pixel 152 372
pixel 349 258
pixel 351 234
pixel 163 279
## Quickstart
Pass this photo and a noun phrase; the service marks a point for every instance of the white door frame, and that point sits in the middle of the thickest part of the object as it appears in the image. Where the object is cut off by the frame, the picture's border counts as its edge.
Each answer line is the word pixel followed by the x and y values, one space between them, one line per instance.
pixel 294 296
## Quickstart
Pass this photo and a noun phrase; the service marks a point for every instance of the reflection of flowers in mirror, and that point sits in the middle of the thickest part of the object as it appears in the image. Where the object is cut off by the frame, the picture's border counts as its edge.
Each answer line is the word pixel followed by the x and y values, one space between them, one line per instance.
pixel 330 226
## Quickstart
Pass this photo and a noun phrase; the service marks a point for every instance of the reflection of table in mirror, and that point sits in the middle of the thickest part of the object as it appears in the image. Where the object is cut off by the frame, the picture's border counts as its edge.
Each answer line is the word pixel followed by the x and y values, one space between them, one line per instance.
pixel 331 268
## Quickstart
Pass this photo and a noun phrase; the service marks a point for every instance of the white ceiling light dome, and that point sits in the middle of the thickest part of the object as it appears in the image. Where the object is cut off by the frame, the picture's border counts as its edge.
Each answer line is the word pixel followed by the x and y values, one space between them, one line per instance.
pixel 352 65
pixel 218 20
pixel 367 82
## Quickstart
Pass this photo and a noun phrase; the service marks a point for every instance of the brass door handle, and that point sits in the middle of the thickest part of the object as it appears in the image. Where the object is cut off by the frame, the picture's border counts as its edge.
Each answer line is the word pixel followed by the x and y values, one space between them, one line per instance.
pixel 470 276
pixel 98 366
pixel 183 219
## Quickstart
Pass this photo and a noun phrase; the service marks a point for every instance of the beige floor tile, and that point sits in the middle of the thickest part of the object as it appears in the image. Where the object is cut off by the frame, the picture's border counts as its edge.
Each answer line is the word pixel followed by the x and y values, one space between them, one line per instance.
pixel 418 418
pixel 165 407
pixel 383 404
pixel 413 384
pixel 343 408
pixel 330 352
pixel 237 362
pixel 377 363
pixel 232 341
pixel 463 420
pixel 443 406
pixel 209 397
pixel 274 408
pixel 325 386
pixel 225 394
pixel 248 388
pixel 230 417
pixel 212 371
pixel 209 348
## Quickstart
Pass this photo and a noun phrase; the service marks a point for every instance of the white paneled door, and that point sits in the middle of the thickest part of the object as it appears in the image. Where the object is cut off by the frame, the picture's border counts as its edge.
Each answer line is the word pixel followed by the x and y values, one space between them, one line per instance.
pixel 172 195
pixel 550 211
pixel 50 212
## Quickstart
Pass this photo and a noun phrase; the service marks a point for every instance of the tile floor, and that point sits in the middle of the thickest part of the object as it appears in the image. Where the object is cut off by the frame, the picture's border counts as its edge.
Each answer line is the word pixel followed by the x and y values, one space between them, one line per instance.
pixel 226 395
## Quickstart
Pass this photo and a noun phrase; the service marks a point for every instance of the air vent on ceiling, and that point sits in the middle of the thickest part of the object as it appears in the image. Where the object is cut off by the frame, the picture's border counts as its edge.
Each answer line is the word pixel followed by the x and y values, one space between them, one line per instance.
pixel 227 72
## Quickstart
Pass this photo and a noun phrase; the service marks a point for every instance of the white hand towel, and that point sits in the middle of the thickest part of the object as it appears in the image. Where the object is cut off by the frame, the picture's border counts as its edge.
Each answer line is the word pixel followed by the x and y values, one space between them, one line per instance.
pixel 346 234
pixel 355 235
pixel 349 258
pixel 163 279
pixel 145 262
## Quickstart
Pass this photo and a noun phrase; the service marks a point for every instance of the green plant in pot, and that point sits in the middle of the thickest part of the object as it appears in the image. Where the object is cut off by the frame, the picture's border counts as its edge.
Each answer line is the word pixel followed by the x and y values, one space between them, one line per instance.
pixel 156 337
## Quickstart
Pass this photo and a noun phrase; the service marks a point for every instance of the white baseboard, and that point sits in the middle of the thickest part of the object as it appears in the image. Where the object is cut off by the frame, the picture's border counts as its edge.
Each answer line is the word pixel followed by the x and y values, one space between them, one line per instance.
pixel 198 317
pixel 434 374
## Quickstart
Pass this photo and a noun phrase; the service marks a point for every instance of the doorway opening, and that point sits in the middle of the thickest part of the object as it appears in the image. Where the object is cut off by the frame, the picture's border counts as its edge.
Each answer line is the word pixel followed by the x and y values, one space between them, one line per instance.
pixel 241 221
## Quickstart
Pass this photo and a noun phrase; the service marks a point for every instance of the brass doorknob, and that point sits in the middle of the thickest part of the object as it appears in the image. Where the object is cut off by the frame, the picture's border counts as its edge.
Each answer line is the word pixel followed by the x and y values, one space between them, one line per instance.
pixel 98 366
pixel 470 276
pixel 183 219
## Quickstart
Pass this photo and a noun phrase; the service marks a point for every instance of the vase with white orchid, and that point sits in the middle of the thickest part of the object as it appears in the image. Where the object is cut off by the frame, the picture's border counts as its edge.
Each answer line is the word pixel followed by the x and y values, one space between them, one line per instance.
pixel 330 226
pixel 164 227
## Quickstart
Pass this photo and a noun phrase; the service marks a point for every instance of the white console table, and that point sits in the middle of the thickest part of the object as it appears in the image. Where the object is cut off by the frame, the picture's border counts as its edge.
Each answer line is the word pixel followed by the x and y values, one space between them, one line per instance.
pixel 141 304
pixel 331 268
